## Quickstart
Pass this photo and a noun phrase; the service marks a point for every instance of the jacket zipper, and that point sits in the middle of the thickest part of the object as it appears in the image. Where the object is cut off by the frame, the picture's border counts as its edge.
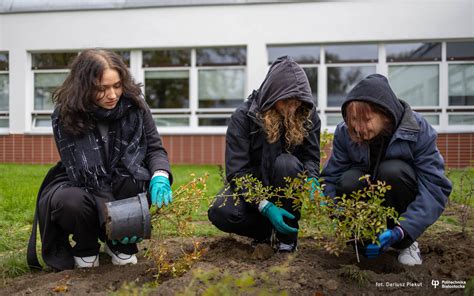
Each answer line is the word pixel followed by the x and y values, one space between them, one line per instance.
pixel 368 157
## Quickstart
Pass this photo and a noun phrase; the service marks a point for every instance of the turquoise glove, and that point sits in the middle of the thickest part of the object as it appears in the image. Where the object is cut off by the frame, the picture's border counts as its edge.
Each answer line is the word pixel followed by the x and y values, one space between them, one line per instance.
pixel 126 240
pixel 160 191
pixel 275 215
pixel 315 186
pixel 386 239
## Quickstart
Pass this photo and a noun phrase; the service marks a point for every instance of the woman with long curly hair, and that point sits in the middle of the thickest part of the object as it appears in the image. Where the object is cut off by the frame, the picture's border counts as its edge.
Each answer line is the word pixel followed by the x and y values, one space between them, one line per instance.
pixel 272 135
pixel 110 149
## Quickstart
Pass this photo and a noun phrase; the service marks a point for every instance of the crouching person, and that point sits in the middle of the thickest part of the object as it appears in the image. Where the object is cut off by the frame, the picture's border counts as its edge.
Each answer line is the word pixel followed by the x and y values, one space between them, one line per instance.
pixel 383 137
pixel 272 135
pixel 110 150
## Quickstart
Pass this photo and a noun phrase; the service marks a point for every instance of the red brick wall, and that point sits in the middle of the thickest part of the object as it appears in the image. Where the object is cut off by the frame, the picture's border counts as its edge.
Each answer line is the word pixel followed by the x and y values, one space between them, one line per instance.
pixel 457 149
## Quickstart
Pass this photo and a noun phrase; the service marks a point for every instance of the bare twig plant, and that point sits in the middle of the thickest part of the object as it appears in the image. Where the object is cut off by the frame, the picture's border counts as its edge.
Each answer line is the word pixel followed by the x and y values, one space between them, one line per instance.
pixel 177 220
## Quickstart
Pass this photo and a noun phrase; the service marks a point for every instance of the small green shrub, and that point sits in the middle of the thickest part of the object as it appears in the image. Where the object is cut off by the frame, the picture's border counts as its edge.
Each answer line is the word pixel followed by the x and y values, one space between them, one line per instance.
pixel 357 219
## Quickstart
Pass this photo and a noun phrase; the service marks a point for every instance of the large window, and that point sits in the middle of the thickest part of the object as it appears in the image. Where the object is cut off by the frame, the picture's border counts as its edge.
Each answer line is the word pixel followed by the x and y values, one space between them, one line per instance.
pixel 416 84
pixel 4 90
pixel 49 70
pixel 460 57
pixel 414 74
pixel 194 87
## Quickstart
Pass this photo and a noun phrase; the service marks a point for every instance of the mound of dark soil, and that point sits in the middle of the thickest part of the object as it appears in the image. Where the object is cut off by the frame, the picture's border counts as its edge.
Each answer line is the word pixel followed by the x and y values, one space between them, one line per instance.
pixel 310 271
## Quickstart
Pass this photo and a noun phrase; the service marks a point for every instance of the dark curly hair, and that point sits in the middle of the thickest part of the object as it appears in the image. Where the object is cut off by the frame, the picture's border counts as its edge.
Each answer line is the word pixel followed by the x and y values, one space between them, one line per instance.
pixel 75 98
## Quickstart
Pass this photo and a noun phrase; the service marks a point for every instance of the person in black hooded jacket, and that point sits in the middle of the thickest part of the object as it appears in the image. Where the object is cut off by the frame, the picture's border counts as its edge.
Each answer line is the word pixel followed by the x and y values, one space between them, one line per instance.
pixel 273 134
pixel 383 137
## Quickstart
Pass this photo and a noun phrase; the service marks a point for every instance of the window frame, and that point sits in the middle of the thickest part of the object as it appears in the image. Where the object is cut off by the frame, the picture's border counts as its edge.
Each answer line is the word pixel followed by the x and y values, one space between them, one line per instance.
pixel 5 114
pixel 458 107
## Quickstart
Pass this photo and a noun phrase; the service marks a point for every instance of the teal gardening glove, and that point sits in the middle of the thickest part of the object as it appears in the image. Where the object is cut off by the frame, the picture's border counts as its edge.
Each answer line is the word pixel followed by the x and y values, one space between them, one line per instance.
pixel 275 215
pixel 126 240
pixel 160 191
pixel 386 239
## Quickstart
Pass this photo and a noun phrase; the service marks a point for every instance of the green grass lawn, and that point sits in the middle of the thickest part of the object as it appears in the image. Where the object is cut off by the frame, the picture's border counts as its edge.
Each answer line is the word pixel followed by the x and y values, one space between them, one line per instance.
pixel 19 185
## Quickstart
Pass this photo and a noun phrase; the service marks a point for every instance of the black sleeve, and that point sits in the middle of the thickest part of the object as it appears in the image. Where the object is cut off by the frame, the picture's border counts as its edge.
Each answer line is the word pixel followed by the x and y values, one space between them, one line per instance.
pixel 156 156
pixel 310 150
pixel 237 149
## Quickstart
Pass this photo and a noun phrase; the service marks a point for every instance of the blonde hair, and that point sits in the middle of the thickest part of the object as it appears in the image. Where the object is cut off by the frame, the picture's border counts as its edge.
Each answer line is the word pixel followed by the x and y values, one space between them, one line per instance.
pixel 296 126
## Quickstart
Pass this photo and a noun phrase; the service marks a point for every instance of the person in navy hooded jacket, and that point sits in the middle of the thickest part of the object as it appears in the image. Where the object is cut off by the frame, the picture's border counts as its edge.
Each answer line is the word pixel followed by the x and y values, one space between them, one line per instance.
pixel 383 137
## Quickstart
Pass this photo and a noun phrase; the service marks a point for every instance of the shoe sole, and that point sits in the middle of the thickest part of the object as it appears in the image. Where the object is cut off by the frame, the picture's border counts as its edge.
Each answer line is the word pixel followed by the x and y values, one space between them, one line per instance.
pixel 116 262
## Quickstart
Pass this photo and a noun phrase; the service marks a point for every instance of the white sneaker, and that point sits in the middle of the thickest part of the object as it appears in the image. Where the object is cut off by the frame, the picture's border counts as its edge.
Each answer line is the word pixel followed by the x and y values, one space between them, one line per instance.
pixel 410 256
pixel 120 258
pixel 286 248
pixel 86 262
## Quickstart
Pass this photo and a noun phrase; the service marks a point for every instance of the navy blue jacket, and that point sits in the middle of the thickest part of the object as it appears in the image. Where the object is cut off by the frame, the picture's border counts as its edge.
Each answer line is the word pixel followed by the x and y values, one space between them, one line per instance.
pixel 413 141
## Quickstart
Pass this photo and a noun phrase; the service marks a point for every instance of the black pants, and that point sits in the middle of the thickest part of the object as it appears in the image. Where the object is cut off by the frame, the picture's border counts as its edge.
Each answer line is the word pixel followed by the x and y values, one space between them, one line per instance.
pixel 79 212
pixel 243 218
pixel 397 173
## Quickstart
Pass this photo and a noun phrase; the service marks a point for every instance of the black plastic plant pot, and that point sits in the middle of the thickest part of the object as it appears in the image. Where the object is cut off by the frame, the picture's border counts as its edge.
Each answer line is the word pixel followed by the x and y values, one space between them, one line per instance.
pixel 128 217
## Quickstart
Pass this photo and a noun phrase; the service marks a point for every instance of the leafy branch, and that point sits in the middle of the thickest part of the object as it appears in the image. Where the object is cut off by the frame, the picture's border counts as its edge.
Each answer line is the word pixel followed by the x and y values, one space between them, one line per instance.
pixel 356 219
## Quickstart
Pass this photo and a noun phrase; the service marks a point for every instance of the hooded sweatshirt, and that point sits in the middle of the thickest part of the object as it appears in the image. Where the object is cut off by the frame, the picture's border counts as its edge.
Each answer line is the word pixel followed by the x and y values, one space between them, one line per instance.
pixel 247 150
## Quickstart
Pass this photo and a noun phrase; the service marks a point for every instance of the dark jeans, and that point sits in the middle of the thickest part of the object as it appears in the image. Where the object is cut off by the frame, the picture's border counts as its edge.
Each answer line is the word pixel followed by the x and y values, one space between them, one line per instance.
pixel 78 211
pixel 243 218
pixel 397 173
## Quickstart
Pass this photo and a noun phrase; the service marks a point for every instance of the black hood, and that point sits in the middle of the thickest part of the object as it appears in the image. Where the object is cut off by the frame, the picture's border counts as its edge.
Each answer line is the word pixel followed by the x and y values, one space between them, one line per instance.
pixel 375 89
pixel 285 79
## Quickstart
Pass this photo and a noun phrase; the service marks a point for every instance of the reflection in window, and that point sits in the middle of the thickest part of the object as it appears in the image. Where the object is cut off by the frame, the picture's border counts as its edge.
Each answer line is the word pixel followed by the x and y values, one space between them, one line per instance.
pixel 3 61
pixel 166 58
pixel 334 119
pixel 461 119
pixel 416 84
pixel 125 54
pixel 431 118
pixel 45 84
pixel 221 56
pixel 221 88
pixel 412 52
pixel 3 122
pixel 52 60
pixel 167 89
pixel 42 121
pixel 171 121
pixel 351 53
pixel 461 84
pixel 214 121
pixel 303 54
pixel 312 74
pixel 342 79
pixel 4 97
pixel 460 51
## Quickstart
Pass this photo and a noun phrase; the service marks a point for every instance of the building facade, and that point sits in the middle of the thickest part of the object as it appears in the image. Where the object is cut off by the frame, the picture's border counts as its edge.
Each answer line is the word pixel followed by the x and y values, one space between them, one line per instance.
pixel 198 60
